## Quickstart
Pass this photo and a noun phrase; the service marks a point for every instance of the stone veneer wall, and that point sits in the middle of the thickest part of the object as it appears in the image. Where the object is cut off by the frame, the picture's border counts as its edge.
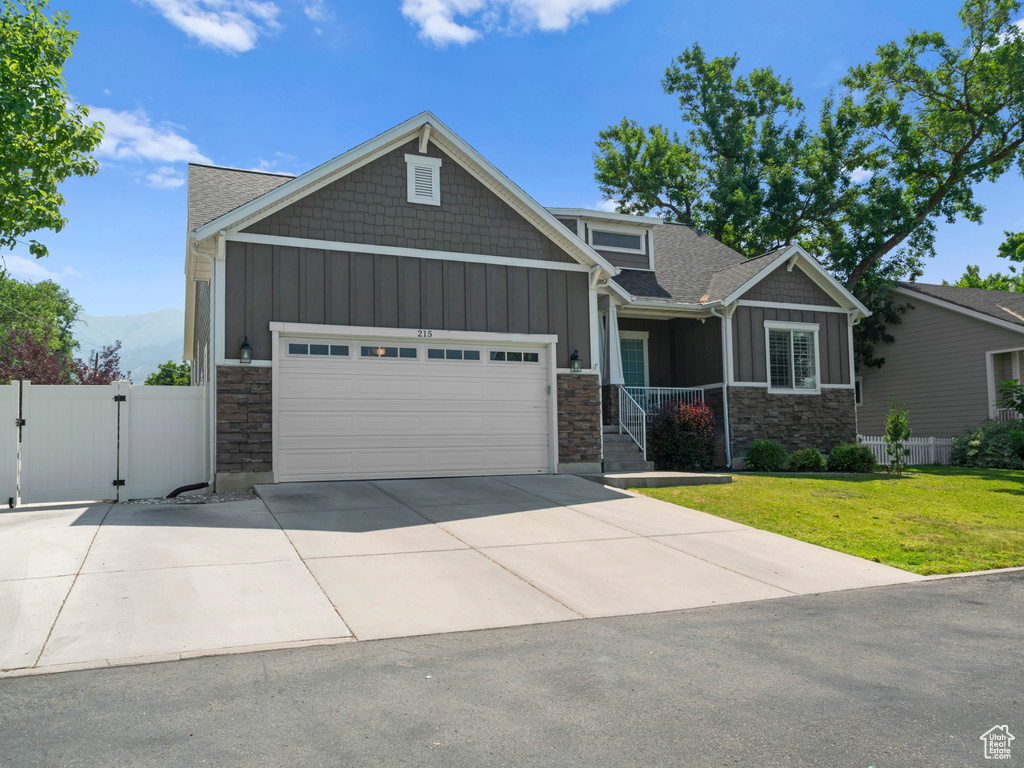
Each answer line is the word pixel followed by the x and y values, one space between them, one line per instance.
pixel 609 404
pixel 579 418
pixel 797 421
pixel 244 412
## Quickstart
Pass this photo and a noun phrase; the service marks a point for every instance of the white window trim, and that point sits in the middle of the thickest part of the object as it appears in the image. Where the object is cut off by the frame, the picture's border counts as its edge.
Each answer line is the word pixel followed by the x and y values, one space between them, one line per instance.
pixel 642 336
pixel 433 164
pixel 777 325
pixel 618 229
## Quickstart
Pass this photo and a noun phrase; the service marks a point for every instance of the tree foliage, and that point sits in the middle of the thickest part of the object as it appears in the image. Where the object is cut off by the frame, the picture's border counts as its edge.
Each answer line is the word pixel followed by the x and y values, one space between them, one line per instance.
pixel 172 374
pixel 44 138
pixel 29 355
pixel 1013 249
pixel 45 309
pixel 902 145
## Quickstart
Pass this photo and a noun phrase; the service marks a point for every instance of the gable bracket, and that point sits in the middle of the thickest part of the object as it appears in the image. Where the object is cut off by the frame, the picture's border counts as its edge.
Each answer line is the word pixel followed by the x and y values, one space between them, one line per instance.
pixel 424 138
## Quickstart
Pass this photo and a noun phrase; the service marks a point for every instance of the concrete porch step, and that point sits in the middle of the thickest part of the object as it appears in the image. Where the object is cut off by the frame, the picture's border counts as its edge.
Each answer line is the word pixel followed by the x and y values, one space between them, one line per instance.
pixel 628 465
pixel 658 479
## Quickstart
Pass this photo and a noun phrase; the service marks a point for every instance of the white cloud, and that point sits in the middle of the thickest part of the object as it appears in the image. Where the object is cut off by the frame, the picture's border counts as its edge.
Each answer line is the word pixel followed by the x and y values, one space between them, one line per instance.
pixel 130 136
pixel 857 175
pixel 605 205
pixel 462 21
pixel 165 177
pixel 232 26
pixel 33 269
pixel 317 10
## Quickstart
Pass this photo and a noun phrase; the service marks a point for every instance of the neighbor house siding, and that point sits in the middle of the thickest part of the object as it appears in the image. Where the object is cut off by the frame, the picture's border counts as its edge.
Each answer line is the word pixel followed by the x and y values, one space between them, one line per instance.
pixel 936 367
pixel 680 353
pixel 569 224
pixel 303 285
pixel 748 337
pixel 201 332
pixel 790 287
pixel 370 206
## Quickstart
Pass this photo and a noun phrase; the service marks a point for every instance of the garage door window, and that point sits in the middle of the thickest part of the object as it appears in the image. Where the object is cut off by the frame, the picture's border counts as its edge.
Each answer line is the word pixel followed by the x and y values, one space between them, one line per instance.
pixel 393 352
pixel 505 356
pixel 318 350
pixel 453 354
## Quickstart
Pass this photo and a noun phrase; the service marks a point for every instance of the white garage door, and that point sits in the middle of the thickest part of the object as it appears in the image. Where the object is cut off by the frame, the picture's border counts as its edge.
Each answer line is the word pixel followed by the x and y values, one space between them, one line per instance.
pixel 357 408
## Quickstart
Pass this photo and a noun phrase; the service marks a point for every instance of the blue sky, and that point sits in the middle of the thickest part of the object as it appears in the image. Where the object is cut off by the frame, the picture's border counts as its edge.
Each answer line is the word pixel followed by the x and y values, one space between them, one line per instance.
pixel 287 84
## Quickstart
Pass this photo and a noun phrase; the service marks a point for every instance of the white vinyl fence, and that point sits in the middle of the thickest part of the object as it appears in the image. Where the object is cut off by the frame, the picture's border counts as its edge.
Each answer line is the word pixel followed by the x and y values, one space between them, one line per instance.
pixel 923 450
pixel 8 444
pixel 118 441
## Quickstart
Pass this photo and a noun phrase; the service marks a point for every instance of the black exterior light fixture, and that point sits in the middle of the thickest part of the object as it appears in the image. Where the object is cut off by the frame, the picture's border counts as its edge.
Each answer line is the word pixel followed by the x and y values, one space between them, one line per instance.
pixel 245 352
pixel 575 364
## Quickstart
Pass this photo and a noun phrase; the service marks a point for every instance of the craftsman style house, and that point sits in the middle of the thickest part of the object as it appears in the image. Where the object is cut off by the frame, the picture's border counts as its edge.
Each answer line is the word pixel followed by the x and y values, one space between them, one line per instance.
pixel 405 310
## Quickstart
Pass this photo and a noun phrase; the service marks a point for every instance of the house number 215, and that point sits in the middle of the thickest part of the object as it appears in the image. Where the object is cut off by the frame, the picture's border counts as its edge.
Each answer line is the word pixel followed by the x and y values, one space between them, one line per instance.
pixel 424 334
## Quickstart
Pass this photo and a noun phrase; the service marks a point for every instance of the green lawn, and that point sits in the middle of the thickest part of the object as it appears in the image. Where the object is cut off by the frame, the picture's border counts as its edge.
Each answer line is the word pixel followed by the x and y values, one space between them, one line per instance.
pixel 930 520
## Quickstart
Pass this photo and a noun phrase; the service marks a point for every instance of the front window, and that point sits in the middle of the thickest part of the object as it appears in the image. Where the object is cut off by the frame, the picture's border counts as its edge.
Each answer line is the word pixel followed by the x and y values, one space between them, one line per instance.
pixel 792 359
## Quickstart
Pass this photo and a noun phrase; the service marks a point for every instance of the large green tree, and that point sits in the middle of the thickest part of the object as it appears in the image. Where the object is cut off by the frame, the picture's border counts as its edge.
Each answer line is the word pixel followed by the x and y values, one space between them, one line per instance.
pixel 44 138
pixel 44 309
pixel 171 374
pixel 902 145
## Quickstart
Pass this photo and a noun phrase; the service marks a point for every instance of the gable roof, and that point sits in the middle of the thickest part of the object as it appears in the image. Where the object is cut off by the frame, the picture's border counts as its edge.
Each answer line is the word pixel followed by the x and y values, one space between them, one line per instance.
pixel 1004 306
pixel 215 190
pixel 691 267
pixel 426 126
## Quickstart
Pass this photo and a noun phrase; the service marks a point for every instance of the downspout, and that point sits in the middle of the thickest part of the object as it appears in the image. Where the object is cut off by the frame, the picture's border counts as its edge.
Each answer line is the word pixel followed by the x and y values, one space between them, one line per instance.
pixel 211 379
pixel 725 391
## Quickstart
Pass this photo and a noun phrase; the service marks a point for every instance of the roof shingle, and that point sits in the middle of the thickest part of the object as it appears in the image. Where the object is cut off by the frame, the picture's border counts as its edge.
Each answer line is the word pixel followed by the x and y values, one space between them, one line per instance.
pixel 214 191
pixel 1002 305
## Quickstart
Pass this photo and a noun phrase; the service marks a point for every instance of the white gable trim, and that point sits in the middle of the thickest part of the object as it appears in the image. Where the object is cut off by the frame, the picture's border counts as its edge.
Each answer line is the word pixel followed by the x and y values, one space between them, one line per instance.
pixel 958 309
pixel 810 267
pixel 443 137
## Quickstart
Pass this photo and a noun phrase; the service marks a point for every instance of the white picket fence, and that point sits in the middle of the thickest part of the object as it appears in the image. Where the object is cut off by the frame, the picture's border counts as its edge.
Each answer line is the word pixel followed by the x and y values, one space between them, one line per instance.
pixel 923 450
pixel 85 443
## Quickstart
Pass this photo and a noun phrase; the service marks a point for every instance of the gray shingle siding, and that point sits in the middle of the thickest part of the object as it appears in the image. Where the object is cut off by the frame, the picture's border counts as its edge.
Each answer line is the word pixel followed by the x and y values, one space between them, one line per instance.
pixel 369 206
pixel 790 287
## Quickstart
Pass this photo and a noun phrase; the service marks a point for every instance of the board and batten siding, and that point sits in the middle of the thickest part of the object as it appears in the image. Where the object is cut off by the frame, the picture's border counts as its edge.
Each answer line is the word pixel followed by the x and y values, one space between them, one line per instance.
pixel 790 287
pixel 201 332
pixel 370 206
pixel 680 352
pixel 265 283
pixel 936 367
pixel 748 338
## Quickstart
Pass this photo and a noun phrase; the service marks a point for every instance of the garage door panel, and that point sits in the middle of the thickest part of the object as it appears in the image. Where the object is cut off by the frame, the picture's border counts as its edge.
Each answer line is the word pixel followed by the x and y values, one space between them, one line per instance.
pixel 358 417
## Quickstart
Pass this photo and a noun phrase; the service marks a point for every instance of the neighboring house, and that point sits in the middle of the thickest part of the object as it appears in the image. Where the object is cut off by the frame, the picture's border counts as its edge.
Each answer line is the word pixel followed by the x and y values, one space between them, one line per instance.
pixel 410 312
pixel 951 351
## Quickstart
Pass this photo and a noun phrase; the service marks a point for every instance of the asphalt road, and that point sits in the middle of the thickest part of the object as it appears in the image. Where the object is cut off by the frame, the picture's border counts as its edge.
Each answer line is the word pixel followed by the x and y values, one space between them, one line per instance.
pixel 908 675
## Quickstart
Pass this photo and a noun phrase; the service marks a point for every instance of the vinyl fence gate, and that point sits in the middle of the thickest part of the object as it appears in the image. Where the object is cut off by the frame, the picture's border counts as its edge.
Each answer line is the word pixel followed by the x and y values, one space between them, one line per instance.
pixel 86 443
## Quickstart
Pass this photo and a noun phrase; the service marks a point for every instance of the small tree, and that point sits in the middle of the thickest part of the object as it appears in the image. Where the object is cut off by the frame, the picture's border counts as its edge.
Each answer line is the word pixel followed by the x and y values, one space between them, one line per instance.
pixel 171 374
pixel 897 432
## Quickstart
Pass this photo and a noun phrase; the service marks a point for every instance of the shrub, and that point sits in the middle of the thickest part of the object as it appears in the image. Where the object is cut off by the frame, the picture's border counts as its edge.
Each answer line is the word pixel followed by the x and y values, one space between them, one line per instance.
pixel 850 457
pixel 807 460
pixel 681 438
pixel 990 445
pixel 766 456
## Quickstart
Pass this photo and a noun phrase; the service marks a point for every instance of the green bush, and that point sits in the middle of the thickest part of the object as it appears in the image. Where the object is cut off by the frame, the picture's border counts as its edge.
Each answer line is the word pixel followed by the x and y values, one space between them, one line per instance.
pixel 807 460
pixel 766 456
pixel 990 445
pixel 681 438
pixel 850 457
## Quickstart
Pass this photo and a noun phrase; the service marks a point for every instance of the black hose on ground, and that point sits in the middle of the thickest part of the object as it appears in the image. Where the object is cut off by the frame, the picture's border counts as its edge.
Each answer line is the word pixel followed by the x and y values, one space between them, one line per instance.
pixel 193 487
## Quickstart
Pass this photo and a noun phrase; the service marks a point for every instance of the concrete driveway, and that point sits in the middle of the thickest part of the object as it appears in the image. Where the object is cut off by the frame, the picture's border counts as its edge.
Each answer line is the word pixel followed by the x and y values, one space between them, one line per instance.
pixel 334 562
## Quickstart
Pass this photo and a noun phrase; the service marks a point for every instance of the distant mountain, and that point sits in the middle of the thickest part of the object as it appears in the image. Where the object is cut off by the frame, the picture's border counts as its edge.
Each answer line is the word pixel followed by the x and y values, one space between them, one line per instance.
pixel 146 340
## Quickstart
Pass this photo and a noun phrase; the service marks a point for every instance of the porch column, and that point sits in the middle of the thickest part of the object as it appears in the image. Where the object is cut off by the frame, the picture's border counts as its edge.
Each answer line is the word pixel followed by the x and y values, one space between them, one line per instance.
pixel 614 347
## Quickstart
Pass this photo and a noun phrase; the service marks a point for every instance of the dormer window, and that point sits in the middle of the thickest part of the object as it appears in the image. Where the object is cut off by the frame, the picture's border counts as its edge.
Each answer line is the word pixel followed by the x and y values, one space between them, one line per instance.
pixel 618 241
pixel 424 179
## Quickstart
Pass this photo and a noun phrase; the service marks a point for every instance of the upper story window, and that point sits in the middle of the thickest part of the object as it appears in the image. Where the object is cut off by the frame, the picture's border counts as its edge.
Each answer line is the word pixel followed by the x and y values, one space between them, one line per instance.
pixel 424 179
pixel 619 241
pixel 792 356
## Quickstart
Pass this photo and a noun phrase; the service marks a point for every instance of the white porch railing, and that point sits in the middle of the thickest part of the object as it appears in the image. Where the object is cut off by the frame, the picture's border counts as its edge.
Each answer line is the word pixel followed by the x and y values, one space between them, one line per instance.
pixel 923 450
pixel 1006 414
pixel 632 419
pixel 652 399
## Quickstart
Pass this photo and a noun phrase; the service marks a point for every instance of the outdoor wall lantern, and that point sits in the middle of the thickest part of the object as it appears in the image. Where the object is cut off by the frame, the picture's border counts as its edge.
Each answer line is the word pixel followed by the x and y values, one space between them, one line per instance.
pixel 575 364
pixel 245 352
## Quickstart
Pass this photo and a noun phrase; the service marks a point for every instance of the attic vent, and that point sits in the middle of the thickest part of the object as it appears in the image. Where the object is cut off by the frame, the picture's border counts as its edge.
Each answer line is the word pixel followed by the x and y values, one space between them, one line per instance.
pixel 424 179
